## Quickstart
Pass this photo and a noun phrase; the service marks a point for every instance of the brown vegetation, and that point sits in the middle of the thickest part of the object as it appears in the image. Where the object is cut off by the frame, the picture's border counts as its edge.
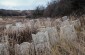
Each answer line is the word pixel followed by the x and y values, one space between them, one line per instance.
pixel 66 43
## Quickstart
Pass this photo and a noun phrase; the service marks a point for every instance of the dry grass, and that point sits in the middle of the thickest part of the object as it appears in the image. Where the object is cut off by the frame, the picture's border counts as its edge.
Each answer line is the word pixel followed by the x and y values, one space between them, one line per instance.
pixel 24 34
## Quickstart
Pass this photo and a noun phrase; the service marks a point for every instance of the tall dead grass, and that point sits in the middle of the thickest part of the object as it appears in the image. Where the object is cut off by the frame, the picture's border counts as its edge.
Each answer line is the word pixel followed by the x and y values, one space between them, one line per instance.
pixel 18 35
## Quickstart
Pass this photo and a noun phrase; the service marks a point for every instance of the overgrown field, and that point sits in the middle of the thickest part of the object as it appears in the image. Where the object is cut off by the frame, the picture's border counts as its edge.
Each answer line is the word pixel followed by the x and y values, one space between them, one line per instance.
pixel 46 36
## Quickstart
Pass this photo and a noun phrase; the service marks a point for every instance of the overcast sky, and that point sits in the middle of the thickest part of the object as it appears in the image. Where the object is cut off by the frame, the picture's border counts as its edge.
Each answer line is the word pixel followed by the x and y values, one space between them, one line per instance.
pixel 22 4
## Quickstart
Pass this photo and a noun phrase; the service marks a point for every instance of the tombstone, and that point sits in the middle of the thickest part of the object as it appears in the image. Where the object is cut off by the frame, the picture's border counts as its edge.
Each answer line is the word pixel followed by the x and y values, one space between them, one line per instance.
pixel 65 23
pixel 17 50
pixel 64 18
pixel 68 33
pixel 28 24
pixel 57 23
pixel 19 24
pixel 1 19
pixel 32 23
pixel 43 49
pixel 4 45
pixel 37 24
pixel 4 49
pixel 52 34
pixel 8 26
pixel 77 24
pixel 23 49
pixel 5 39
pixel 41 43
pixel 40 37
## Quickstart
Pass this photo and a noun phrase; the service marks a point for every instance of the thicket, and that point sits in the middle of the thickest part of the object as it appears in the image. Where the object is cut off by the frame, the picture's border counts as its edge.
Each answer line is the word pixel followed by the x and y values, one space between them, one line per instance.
pixel 62 8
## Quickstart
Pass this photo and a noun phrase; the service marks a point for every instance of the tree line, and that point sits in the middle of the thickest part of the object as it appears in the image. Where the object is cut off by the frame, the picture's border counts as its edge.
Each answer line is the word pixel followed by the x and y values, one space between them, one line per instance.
pixel 55 8
pixel 4 12
pixel 58 8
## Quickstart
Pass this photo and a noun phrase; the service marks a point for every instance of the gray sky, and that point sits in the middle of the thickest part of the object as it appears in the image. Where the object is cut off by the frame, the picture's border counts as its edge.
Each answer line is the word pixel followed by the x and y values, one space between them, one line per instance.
pixel 22 4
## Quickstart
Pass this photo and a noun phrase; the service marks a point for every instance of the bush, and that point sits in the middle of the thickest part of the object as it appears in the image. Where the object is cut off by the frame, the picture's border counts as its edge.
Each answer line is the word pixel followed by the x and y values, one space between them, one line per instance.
pixel 65 8
pixel 38 12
